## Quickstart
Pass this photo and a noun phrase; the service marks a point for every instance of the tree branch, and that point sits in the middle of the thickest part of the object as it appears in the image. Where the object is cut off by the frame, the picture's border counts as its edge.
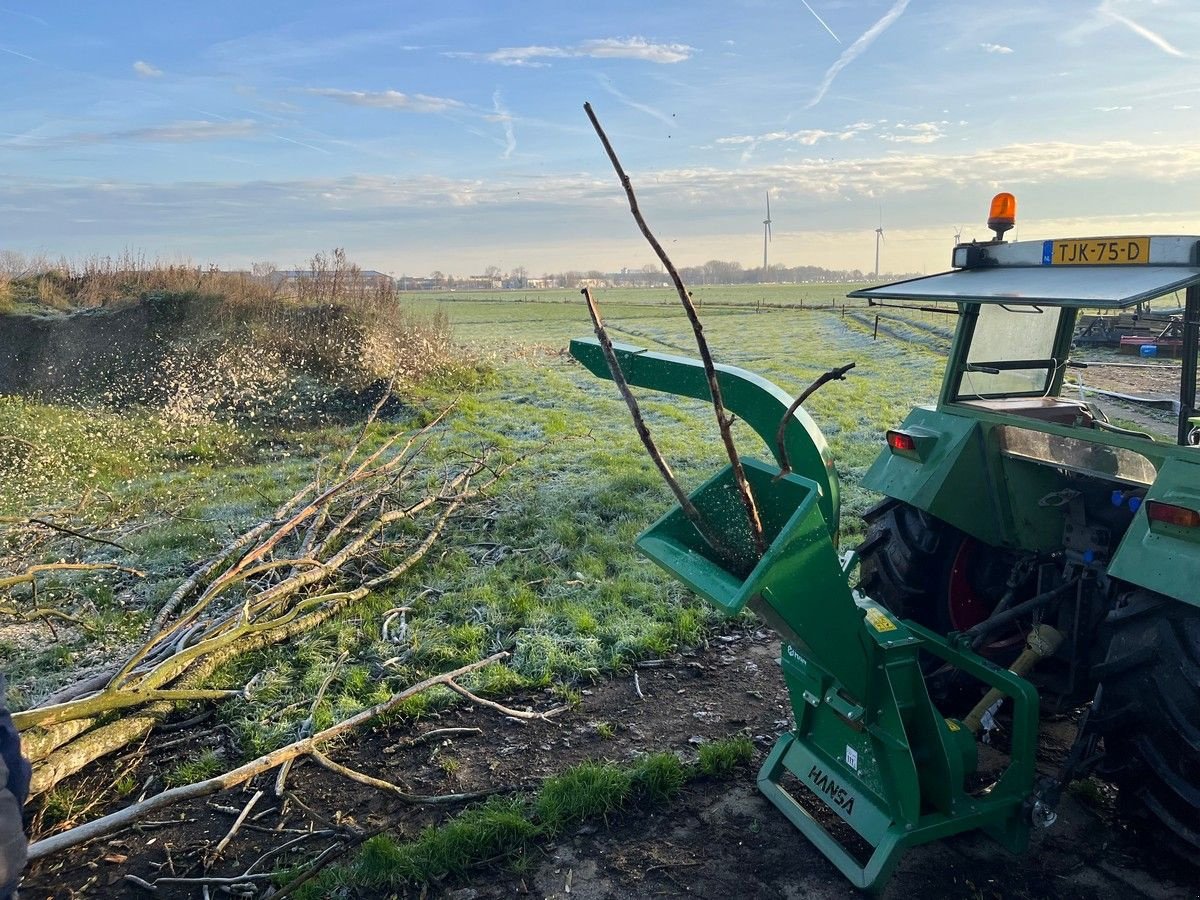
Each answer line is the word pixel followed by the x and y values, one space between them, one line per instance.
pixel 838 374
pixel 723 420
pixel 114 821
pixel 643 430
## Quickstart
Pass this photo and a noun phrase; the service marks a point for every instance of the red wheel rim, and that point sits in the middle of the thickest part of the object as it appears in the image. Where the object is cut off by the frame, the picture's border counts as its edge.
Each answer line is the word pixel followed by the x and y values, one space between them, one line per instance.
pixel 965 605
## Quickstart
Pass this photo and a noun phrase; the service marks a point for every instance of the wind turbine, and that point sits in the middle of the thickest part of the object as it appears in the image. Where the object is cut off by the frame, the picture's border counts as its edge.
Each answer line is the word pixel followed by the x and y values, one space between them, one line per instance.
pixel 878 238
pixel 958 235
pixel 766 234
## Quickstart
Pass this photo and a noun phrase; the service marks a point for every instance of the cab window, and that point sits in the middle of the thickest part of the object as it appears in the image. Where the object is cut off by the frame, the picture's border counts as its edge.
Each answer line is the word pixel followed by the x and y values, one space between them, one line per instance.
pixel 1010 352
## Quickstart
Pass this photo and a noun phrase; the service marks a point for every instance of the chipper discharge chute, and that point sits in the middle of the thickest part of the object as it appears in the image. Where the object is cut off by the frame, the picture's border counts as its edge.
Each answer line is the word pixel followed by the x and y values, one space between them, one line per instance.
pixel 868 746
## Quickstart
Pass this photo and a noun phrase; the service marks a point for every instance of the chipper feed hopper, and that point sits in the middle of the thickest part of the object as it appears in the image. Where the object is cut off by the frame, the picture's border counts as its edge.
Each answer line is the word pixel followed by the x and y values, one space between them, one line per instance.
pixel 1014 516
pixel 868 746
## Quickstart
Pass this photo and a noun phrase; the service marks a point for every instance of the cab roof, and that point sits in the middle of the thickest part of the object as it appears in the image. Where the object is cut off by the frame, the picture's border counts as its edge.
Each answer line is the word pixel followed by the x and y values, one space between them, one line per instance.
pixel 1032 273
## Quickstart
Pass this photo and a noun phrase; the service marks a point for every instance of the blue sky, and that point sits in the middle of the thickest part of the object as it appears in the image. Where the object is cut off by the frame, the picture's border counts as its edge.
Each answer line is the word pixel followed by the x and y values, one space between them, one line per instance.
pixel 451 136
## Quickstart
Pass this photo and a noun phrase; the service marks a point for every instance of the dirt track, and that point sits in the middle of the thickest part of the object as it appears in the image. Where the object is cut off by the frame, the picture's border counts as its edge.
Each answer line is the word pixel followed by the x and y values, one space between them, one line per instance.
pixel 720 839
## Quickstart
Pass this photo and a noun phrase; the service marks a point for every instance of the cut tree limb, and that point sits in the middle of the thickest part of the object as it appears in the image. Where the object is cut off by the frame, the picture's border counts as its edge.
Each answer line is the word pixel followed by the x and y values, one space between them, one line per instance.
pixel 724 421
pixel 30 575
pixel 643 430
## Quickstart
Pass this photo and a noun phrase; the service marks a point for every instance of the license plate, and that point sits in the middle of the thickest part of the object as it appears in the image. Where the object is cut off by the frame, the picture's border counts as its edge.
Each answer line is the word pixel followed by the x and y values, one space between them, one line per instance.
pixel 1125 251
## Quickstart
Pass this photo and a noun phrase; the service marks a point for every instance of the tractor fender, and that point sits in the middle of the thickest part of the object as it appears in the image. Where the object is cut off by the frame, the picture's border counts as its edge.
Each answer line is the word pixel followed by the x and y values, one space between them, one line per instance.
pixel 1157 556
pixel 947 474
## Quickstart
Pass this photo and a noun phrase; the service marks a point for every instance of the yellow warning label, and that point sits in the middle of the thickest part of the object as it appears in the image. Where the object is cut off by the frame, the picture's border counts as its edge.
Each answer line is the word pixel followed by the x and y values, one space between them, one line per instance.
pixel 879 621
pixel 952 725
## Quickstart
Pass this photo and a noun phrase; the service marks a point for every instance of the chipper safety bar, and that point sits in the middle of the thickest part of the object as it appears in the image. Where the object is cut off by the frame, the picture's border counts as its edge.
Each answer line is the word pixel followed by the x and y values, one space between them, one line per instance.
pixel 868 745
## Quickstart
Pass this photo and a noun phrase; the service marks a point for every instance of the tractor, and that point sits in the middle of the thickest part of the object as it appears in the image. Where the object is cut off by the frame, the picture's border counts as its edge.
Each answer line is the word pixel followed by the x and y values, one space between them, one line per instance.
pixel 1009 501
pixel 1027 549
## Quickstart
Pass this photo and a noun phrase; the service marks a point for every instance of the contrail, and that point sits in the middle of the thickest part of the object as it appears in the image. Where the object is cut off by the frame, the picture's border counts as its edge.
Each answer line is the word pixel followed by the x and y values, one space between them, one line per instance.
pixel 300 143
pixel 13 12
pixel 1141 30
pixel 505 119
pixel 606 83
pixel 15 53
pixel 857 49
pixel 822 21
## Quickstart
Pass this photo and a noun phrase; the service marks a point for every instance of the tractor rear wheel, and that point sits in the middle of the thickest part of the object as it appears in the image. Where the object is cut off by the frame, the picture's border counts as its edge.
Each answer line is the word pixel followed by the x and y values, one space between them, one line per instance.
pixel 1149 711
pixel 902 559
pixel 923 569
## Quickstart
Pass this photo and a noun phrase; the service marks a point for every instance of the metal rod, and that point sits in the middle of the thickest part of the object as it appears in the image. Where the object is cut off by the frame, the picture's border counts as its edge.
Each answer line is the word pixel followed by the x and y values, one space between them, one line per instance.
pixel 1187 381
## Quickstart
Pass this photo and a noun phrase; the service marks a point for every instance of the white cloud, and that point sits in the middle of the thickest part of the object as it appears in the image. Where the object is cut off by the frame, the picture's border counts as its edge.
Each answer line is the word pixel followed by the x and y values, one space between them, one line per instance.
pixel 805 137
pixel 1108 13
pixel 186 131
pixel 635 48
pixel 822 21
pixel 145 70
pixel 599 48
pixel 917 133
pixel 1107 109
pixel 996 48
pixel 388 100
pixel 518 56
pixel 286 219
pixel 606 83
pixel 181 132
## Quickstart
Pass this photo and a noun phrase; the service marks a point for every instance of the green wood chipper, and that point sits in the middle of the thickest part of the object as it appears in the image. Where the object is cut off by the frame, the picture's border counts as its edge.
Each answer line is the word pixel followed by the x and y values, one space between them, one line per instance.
pixel 1075 525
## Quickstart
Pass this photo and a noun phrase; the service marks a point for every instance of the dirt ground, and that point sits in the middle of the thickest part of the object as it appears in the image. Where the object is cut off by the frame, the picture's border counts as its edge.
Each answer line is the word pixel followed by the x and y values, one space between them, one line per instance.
pixel 719 839
pixel 1139 379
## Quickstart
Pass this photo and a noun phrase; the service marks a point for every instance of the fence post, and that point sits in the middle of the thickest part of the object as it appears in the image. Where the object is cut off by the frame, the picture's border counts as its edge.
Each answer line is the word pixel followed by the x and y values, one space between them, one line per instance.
pixel 875 336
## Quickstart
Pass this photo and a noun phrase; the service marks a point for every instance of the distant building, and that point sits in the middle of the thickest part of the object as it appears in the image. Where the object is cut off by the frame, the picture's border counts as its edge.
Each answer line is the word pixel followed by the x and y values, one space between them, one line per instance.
pixel 369 277
pixel 481 283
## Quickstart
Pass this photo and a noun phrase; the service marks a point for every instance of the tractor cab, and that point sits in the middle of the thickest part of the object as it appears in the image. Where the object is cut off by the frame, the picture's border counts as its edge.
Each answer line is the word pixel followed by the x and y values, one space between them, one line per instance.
pixel 1019 304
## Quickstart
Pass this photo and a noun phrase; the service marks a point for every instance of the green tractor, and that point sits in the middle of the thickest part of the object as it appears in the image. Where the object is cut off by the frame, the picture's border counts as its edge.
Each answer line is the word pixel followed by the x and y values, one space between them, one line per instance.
pixel 1010 502
pixel 1028 550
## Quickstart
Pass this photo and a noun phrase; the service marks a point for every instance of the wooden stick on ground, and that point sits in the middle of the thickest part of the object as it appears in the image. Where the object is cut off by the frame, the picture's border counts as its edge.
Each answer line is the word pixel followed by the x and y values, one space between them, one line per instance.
pixel 306 727
pixel 520 714
pixel 643 430
pixel 234 828
pixel 724 421
pixel 388 788
pixel 785 464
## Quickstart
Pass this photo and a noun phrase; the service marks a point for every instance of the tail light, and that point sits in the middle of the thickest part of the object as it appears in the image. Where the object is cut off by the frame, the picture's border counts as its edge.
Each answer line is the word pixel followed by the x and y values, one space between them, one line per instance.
pixel 901 442
pixel 1170 514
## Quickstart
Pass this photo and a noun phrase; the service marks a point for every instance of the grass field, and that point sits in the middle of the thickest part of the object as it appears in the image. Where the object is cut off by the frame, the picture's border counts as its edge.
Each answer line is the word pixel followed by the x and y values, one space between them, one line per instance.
pixel 565 588
pixel 546 568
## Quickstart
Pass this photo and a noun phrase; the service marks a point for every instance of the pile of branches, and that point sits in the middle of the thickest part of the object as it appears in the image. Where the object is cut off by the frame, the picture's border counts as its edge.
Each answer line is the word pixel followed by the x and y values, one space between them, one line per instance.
pixel 353 529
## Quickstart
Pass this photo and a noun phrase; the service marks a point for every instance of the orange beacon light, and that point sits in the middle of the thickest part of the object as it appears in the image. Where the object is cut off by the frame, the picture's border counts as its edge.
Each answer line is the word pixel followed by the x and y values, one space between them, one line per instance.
pixel 1003 214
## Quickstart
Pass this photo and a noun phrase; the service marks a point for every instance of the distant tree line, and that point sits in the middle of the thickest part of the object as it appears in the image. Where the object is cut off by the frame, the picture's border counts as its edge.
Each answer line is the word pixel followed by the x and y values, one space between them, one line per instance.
pixel 714 271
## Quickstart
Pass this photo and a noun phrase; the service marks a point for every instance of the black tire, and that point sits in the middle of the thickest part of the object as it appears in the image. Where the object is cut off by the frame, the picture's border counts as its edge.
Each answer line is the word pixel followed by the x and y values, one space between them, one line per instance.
pixel 903 560
pixel 1149 712
pixel 924 569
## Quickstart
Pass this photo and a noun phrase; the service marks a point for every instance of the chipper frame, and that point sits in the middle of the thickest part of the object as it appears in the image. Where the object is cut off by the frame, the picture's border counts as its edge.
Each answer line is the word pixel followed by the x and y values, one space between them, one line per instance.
pixel 868 745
